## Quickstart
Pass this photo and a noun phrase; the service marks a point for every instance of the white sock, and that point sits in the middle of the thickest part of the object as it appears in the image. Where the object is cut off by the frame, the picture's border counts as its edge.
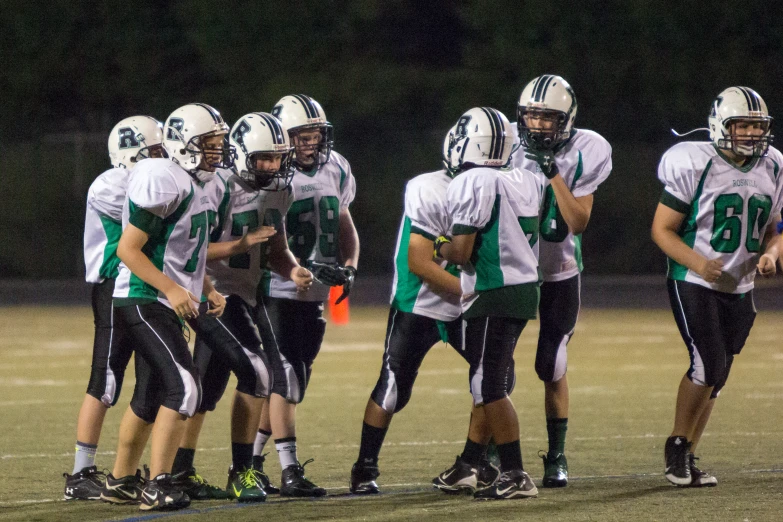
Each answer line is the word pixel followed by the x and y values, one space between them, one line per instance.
pixel 286 450
pixel 261 439
pixel 85 456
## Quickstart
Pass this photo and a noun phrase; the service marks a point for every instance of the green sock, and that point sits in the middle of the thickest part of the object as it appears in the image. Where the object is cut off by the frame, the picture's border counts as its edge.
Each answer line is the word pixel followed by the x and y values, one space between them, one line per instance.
pixel 556 429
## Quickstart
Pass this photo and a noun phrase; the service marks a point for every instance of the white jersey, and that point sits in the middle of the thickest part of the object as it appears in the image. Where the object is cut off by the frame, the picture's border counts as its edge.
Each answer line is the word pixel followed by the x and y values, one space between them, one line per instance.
pixel 103 224
pixel 584 162
pixel 426 214
pixel 313 223
pixel 502 207
pixel 727 209
pixel 240 210
pixel 178 213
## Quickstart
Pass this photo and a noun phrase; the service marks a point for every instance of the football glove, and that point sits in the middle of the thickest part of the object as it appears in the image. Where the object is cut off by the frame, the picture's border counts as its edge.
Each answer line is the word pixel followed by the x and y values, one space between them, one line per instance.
pixel 329 274
pixel 439 242
pixel 545 159
pixel 350 275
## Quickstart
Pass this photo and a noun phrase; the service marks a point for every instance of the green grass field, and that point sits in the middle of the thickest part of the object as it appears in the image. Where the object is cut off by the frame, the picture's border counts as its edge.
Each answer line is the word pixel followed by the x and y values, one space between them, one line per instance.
pixel 623 373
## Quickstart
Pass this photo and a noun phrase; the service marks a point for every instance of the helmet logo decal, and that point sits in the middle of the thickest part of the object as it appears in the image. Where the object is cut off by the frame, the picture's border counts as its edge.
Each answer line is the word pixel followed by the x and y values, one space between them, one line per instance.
pixel 128 138
pixel 239 135
pixel 174 129
pixel 462 125
pixel 277 110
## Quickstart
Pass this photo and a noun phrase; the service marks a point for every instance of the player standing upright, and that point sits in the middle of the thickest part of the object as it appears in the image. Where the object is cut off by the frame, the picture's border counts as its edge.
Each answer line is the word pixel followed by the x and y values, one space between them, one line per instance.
pixel 321 235
pixel 717 214
pixel 250 232
pixel 425 308
pixel 495 219
pixel 130 141
pixel 167 216
pixel 575 162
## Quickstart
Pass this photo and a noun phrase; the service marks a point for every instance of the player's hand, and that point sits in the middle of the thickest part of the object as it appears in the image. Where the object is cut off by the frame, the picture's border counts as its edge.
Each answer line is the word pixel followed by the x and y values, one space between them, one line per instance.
pixel 217 303
pixel 184 303
pixel 545 159
pixel 350 275
pixel 766 265
pixel 711 270
pixel 302 277
pixel 329 274
pixel 256 236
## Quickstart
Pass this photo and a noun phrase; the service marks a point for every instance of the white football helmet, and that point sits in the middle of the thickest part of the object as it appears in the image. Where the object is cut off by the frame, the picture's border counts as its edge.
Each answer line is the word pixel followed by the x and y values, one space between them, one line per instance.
pixel 482 137
pixel 261 133
pixel 740 104
pixel 131 139
pixel 300 113
pixel 545 112
pixel 185 129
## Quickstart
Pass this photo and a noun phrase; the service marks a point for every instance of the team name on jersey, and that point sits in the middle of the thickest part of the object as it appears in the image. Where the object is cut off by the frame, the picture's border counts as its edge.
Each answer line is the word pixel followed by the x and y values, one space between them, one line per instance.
pixel 744 183
pixel 312 187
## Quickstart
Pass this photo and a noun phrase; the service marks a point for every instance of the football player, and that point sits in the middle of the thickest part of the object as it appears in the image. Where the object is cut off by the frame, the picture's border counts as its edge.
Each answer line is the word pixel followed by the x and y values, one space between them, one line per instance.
pixel 716 223
pixel 255 199
pixel 575 162
pixel 169 209
pixel 494 237
pixel 322 236
pixel 130 141
pixel 425 308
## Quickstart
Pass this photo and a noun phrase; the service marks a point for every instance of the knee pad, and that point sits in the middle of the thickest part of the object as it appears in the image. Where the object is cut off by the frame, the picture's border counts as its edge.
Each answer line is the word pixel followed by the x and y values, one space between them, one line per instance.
pixel 257 379
pixel 488 389
pixel 552 356
pixel 391 394
pixel 147 413
pixel 186 399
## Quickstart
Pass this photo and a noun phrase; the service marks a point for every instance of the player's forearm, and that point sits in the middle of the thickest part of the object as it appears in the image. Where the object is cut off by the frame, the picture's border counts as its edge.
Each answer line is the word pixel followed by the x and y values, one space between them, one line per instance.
pixel 349 241
pixel 280 259
pixel 208 288
pixel 459 249
pixel 224 249
pixel 772 241
pixel 436 277
pixel 142 267
pixel 672 245
pixel 575 213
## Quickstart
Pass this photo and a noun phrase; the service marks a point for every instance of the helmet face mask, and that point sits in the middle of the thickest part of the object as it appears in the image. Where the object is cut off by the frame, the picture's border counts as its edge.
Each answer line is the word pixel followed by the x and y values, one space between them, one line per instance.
pixel 312 145
pixel 263 151
pixel 541 129
pixel 312 136
pixel 546 111
pixel 276 176
pixel 196 140
pixel 747 137
pixel 739 123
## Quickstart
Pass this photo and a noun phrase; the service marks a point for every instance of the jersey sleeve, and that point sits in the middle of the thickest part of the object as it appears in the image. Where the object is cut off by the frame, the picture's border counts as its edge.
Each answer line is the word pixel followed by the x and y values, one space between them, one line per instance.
pixel 676 172
pixel 471 198
pixel 426 210
pixel 153 196
pixel 347 181
pixel 596 165
pixel 107 197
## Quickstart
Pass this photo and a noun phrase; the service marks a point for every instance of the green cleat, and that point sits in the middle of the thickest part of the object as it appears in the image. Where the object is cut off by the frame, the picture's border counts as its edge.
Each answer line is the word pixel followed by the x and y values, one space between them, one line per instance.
pixel 197 487
pixel 555 470
pixel 245 486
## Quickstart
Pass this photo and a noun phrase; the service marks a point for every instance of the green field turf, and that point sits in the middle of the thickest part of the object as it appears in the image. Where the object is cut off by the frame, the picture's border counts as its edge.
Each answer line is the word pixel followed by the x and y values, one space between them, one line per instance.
pixel 624 367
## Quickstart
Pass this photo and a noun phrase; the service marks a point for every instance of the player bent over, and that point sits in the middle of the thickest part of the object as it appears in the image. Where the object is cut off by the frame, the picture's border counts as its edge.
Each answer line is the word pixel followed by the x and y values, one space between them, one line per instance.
pixel 575 161
pixel 255 199
pixel 321 234
pixel 425 308
pixel 130 141
pixel 494 233
pixel 169 210
pixel 716 223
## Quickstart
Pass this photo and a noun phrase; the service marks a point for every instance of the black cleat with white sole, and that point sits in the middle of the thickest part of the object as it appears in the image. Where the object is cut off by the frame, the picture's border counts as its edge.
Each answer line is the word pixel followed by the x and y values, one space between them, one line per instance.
pixel 678 466
pixel 510 485
pixel 459 478
pixel 159 494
